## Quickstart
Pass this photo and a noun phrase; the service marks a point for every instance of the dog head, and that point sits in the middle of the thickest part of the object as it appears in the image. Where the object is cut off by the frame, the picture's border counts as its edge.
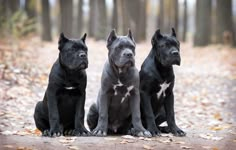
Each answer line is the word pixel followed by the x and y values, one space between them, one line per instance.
pixel 121 49
pixel 167 48
pixel 73 53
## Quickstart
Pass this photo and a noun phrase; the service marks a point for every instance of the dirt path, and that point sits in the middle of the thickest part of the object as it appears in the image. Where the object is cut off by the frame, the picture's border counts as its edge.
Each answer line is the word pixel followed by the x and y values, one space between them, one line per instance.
pixel 204 99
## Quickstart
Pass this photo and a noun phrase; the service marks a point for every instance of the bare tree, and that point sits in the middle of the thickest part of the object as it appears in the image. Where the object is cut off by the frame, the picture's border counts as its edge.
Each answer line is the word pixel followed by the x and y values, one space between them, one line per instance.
pixel 92 17
pixel 66 17
pixel 114 23
pixel 224 28
pixel 30 8
pixel 101 20
pixel 203 23
pixel 46 23
pixel 185 21
pixel 80 19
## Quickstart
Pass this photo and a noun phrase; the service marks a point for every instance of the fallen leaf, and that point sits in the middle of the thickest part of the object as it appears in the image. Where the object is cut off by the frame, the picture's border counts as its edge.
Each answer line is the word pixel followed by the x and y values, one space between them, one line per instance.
pixel 7 132
pixel 110 139
pixel 215 148
pixel 73 147
pixel 218 116
pixel 206 147
pixel 186 147
pixel 209 136
pixel 126 141
pixel 128 137
pixel 23 148
pixel 147 147
pixel 179 142
pixel 8 146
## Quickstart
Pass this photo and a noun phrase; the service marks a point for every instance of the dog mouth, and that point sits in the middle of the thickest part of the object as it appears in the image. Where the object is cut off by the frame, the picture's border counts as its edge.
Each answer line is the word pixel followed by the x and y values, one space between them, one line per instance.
pixel 83 65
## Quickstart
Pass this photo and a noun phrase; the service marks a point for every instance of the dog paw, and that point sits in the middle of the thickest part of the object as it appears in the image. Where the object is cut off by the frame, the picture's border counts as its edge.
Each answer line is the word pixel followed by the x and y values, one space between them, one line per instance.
pixel 99 132
pixel 55 133
pixel 178 132
pixel 154 132
pixel 46 132
pixel 68 132
pixel 81 132
pixel 143 133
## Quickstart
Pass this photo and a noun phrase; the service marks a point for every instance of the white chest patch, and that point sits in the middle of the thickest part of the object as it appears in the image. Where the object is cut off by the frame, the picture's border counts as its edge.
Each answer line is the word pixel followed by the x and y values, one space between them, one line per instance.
pixel 130 88
pixel 163 86
pixel 116 85
pixel 70 88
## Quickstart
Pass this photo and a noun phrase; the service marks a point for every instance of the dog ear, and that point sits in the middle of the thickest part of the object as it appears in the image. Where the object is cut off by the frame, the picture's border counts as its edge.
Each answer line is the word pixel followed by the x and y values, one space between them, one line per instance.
pixel 130 35
pixel 156 36
pixel 84 37
pixel 112 37
pixel 173 32
pixel 62 41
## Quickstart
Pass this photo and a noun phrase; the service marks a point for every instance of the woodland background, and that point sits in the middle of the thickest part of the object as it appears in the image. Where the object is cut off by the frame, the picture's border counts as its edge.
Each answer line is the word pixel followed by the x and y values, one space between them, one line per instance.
pixel 205 83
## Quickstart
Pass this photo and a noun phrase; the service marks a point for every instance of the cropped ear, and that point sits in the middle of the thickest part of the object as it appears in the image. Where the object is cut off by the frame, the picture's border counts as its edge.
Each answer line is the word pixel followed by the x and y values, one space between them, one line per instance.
pixel 84 37
pixel 130 35
pixel 157 35
pixel 112 37
pixel 173 32
pixel 62 41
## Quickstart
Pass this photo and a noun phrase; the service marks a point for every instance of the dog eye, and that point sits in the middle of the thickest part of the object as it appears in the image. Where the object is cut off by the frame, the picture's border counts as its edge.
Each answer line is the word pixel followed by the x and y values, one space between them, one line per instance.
pixel 161 45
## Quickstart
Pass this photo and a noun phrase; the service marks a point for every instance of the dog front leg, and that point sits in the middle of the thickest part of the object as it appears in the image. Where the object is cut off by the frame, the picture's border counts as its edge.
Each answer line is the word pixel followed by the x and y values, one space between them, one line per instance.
pixel 54 119
pixel 103 104
pixel 170 116
pixel 136 117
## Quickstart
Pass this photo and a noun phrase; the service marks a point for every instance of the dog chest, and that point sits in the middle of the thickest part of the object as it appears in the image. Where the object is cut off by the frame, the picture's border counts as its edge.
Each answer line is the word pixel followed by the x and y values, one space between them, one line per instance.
pixel 122 90
pixel 162 92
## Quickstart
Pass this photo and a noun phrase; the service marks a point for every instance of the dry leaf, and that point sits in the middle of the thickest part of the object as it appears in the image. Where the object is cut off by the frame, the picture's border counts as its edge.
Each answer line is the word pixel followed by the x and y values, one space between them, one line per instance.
pixel 179 142
pixel 7 132
pixel 8 146
pixel 218 116
pixel 110 139
pixel 128 137
pixel 147 147
pixel 186 147
pixel 73 147
pixel 215 148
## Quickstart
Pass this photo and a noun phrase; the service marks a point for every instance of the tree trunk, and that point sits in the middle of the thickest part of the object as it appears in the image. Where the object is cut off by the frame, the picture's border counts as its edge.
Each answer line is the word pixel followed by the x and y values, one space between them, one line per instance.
pixel 203 23
pixel 79 27
pixel 46 23
pixel 224 28
pixel 101 20
pixel 66 17
pixel 114 23
pixel 30 8
pixel 161 15
pixel 185 21
pixel 91 17
pixel 141 29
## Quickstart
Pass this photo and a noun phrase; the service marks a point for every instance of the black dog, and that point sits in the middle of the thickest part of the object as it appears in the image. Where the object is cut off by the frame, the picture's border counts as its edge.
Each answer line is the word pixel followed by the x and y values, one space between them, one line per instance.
pixel 118 103
pixel 157 82
pixel 62 108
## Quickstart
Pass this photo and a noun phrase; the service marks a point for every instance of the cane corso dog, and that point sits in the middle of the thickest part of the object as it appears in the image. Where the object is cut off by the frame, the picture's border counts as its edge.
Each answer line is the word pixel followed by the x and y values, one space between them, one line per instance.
pixel 62 110
pixel 118 104
pixel 156 84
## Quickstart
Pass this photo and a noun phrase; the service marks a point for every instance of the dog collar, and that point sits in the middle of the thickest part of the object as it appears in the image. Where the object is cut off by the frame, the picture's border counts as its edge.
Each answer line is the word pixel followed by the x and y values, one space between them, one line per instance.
pixel 70 88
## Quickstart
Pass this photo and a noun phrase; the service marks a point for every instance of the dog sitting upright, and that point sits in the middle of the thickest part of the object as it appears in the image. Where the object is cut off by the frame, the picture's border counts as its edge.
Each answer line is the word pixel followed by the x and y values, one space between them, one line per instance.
pixel 118 102
pixel 157 82
pixel 62 108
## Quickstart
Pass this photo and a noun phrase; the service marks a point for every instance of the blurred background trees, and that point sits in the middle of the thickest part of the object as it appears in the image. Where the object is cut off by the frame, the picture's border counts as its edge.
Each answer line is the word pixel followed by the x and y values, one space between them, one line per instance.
pixel 202 22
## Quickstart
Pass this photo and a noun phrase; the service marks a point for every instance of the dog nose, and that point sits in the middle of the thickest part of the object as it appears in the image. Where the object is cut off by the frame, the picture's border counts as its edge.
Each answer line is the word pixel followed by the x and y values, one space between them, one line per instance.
pixel 175 53
pixel 128 54
pixel 82 55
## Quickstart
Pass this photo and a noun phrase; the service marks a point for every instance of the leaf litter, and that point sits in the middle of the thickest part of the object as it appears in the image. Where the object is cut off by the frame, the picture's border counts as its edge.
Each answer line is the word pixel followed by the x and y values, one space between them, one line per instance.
pixel 203 89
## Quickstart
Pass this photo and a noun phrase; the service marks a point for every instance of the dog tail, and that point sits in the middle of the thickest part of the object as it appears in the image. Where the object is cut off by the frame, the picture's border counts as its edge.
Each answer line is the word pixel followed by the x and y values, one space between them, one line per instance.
pixel 92 117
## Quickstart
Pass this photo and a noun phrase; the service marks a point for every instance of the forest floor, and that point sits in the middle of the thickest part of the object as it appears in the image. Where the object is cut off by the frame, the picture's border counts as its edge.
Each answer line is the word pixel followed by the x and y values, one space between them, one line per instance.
pixel 205 94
